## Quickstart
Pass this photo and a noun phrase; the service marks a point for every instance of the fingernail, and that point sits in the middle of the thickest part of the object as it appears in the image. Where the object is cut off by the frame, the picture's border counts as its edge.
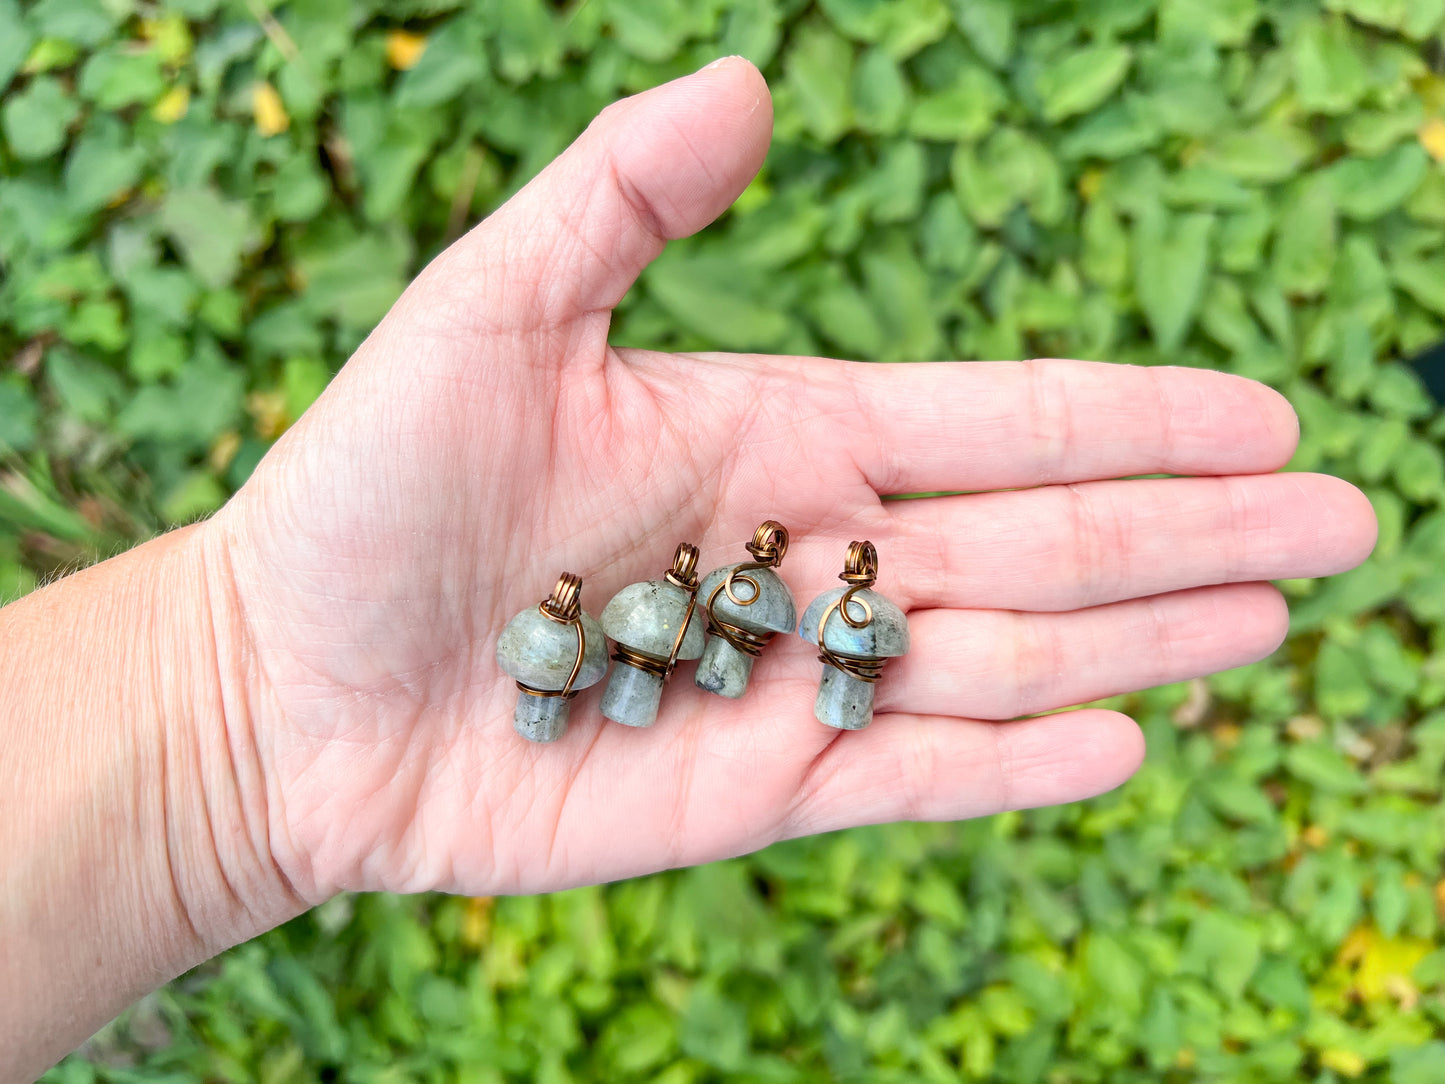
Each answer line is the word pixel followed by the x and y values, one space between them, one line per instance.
pixel 720 61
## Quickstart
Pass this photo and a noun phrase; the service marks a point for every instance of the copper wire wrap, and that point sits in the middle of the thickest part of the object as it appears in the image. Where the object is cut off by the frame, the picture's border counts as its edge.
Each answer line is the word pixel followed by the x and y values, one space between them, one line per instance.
pixel 682 575
pixel 860 570
pixel 564 606
pixel 769 544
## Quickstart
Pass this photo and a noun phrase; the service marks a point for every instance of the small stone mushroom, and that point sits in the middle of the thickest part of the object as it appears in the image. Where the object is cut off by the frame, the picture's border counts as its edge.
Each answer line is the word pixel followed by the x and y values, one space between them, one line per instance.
pixel 552 651
pixel 862 630
pixel 746 606
pixel 655 623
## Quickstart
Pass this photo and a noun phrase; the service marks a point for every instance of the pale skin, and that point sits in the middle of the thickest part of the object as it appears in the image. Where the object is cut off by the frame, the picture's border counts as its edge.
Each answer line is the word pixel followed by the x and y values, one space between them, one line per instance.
pixel 203 737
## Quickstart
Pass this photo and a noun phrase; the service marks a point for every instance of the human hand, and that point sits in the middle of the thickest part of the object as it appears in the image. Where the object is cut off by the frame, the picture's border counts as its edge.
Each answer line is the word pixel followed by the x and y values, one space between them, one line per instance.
pixel 486 437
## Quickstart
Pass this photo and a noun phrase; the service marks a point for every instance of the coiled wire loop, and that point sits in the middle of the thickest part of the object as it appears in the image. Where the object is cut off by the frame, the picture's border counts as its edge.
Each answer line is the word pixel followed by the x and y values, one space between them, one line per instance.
pixel 682 575
pixel 564 606
pixel 860 571
pixel 769 544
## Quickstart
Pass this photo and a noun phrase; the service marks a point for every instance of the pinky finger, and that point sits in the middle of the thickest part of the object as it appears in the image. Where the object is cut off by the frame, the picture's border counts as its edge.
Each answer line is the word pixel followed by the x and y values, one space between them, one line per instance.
pixel 936 768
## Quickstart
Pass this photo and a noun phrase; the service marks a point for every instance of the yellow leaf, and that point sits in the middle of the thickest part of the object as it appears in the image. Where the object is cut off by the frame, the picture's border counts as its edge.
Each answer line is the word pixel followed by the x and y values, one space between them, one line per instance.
pixel 172 107
pixel 1089 182
pixel 224 450
pixel 270 112
pixel 1357 943
pixel 1432 138
pixel 170 36
pixel 477 921
pixel 1382 965
pixel 404 49
pixel 1345 1062
pixel 1386 968
pixel 268 411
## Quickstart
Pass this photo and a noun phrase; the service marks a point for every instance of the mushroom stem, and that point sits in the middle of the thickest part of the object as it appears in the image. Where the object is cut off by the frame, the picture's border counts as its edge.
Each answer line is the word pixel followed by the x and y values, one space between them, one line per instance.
pixel 843 701
pixel 632 696
pixel 724 669
pixel 541 718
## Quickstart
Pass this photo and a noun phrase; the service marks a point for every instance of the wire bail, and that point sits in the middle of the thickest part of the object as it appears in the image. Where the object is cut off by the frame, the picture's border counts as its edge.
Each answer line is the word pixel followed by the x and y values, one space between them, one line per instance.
pixel 564 606
pixel 860 572
pixel 769 544
pixel 683 576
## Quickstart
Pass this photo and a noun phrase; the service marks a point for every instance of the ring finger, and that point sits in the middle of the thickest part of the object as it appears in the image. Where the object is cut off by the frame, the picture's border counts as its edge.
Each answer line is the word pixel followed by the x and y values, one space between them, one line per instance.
pixel 1000 664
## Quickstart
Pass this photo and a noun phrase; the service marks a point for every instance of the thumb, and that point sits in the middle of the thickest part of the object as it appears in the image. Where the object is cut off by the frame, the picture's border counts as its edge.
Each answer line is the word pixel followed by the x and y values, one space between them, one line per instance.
pixel 650 168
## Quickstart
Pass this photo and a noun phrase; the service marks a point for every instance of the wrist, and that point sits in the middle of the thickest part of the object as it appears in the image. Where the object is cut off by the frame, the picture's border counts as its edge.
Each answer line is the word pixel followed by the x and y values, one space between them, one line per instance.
pixel 130 829
pixel 220 821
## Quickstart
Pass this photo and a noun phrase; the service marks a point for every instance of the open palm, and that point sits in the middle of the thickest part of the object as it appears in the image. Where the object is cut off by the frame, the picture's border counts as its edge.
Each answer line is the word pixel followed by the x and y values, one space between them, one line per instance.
pixel 487 437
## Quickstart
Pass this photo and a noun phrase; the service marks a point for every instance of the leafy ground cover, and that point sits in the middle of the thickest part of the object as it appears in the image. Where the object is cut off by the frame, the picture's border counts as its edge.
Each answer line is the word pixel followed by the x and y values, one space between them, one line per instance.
pixel 206 204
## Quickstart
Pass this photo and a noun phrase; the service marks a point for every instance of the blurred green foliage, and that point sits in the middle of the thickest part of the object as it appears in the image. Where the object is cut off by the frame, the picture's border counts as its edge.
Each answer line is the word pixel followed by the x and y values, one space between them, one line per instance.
pixel 206 204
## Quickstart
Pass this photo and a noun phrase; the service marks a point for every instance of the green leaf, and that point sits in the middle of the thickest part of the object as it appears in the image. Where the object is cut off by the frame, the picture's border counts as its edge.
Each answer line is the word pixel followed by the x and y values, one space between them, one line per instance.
pixel 1011 168
pixel 1270 152
pixel 15 41
pixel 650 29
pixel 708 297
pixel 638 1038
pixel 101 165
pixel 1222 948
pixel 84 22
pixel 1114 972
pixel 989 27
pixel 817 72
pixel 202 402
pixel 211 232
pixel 1420 472
pixel 86 389
pixel 156 352
pixel 1342 681
pixel 1366 188
pixel 1119 129
pixel 1224 22
pixel 350 277
pixel 844 315
pixel 198 494
pixel 97 322
pixel 1105 257
pixel 1171 261
pixel 300 190
pixel 1304 243
pixel 121 76
pixel 18 416
pixel 714 1030
pixel 1330 71
pixel 1423 278
pixel 1082 80
pixel 303 380
pixel 880 92
pixel 902 27
pixel 454 61
pixel 965 110
pixel 35 120
pixel 1423 1064
pixel 1324 768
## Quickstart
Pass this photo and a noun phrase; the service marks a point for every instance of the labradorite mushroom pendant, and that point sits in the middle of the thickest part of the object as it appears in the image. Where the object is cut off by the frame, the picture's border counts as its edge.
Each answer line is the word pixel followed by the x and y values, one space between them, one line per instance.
pixel 552 651
pixel 655 624
pixel 857 631
pixel 746 606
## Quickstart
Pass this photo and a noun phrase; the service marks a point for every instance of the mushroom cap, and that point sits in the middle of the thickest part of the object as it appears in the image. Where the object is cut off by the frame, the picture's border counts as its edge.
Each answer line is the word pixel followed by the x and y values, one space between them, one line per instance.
pixel 645 617
pixel 539 652
pixel 774 611
pixel 885 637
